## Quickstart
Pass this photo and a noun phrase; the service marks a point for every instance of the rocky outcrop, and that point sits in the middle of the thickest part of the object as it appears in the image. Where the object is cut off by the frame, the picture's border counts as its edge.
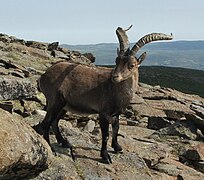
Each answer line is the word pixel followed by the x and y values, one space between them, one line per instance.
pixel 38 53
pixel 23 152
pixel 161 132
pixel 16 88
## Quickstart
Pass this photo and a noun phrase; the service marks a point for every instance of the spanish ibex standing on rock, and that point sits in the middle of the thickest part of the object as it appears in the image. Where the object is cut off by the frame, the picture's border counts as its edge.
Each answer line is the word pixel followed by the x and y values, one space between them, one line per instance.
pixel 90 89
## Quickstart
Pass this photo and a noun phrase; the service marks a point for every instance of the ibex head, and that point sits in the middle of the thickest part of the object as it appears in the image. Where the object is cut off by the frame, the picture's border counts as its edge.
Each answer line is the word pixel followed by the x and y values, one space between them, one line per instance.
pixel 127 63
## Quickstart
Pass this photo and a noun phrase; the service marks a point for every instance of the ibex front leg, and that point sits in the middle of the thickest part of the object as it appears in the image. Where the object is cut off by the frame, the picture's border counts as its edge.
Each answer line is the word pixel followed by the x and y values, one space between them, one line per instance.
pixel 104 124
pixel 115 128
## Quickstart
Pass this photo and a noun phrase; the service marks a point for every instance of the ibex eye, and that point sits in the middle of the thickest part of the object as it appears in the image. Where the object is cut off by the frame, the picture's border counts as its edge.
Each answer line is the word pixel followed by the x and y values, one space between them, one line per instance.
pixel 131 66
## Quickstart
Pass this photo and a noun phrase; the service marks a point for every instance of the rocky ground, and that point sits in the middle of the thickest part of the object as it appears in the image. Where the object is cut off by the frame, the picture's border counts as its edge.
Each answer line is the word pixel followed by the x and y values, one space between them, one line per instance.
pixel 162 137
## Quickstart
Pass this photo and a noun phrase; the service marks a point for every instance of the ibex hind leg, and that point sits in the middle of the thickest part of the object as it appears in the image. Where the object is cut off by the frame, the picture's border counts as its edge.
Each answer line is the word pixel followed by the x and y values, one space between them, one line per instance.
pixel 55 126
pixel 53 114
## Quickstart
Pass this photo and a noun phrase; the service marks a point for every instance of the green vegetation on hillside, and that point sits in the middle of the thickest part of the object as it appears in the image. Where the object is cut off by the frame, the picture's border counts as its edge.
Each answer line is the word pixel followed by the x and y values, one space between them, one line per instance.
pixel 185 80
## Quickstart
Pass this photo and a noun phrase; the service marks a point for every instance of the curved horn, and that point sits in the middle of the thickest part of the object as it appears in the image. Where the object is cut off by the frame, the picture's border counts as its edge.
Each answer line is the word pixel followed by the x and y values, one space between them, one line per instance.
pixel 149 38
pixel 123 39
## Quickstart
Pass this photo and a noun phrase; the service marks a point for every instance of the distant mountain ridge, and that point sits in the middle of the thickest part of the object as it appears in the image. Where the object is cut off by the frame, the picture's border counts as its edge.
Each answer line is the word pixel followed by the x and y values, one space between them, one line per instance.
pixel 186 54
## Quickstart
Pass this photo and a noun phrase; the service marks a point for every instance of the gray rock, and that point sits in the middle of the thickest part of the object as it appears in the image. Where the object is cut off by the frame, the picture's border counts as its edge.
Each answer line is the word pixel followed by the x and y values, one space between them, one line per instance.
pixel 59 54
pixel 195 153
pixel 23 152
pixel 53 46
pixel 174 114
pixel 90 126
pixel 199 165
pixel 198 121
pixel 176 169
pixel 198 109
pixel 7 105
pixel 41 113
pixel 181 129
pixel 90 57
pixel 157 123
pixel 16 88
pixel 5 38
pixel 194 156
pixel 131 122
pixel 35 44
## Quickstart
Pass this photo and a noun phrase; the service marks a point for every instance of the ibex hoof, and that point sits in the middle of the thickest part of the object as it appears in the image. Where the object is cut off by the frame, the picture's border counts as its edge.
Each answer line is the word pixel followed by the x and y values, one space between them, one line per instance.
pixel 66 144
pixel 117 148
pixel 106 159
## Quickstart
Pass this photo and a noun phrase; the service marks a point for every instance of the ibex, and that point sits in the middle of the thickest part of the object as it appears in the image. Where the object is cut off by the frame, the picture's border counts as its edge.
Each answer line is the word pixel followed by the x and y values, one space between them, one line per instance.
pixel 106 91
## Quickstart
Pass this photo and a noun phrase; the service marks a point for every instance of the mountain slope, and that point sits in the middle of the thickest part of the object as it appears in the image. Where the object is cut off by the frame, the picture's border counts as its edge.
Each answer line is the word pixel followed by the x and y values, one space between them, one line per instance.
pixel 187 54
pixel 185 80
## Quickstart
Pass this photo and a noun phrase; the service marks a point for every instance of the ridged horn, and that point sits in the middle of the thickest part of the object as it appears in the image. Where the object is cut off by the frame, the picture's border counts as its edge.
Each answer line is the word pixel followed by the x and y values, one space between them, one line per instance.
pixel 123 39
pixel 149 38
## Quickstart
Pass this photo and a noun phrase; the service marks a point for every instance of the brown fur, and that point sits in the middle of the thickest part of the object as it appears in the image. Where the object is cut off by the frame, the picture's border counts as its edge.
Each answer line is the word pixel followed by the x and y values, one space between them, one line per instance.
pixel 87 89
pixel 90 89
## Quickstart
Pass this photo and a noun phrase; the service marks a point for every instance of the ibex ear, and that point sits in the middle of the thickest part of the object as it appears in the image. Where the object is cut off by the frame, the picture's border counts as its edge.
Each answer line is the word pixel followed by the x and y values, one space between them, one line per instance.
pixel 141 58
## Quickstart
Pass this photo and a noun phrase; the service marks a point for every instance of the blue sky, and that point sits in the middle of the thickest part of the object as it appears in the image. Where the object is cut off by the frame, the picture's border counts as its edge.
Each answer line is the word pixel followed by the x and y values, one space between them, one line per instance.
pixel 92 21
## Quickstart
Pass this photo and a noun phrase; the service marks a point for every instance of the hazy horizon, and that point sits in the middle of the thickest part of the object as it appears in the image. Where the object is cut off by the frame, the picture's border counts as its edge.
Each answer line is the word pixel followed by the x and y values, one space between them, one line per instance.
pixel 93 22
pixel 130 42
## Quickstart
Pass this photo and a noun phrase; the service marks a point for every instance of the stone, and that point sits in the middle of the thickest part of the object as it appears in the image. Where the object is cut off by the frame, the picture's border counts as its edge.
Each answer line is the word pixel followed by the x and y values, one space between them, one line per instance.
pixel 195 153
pixel 198 109
pixel 197 120
pixel 180 129
pixel 90 126
pixel 53 46
pixel 7 105
pixel 62 168
pixel 77 57
pixel 137 100
pixel 30 106
pixel 59 54
pixel 16 88
pixel 131 122
pixel 173 167
pixel 143 122
pixel 174 114
pixel 157 123
pixel 23 153
pixel 35 44
pixel 18 68
pixel 194 156
pixel 64 50
pixel 40 112
pixel 5 38
pixel 147 110
pixel 90 57
pixel 199 165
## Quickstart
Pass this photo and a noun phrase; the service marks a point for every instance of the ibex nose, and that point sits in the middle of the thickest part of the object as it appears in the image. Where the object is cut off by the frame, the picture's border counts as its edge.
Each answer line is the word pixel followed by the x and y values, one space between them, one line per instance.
pixel 115 78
